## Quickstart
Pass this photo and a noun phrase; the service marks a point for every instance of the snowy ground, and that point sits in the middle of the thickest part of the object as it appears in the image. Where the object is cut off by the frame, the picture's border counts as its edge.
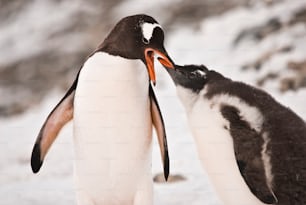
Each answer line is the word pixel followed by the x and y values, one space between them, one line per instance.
pixel 211 45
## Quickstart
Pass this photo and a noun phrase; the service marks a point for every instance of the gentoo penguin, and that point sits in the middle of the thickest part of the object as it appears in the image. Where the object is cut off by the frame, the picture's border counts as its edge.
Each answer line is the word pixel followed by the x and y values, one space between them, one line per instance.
pixel 113 107
pixel 252 147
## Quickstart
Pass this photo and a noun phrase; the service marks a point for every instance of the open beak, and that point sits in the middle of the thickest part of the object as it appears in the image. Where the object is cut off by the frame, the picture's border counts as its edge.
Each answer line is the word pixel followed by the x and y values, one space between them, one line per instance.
pixel 163 59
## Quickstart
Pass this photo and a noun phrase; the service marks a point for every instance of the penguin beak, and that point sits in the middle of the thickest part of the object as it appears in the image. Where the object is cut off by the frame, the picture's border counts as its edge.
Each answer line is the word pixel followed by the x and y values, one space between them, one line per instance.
pixel 163 58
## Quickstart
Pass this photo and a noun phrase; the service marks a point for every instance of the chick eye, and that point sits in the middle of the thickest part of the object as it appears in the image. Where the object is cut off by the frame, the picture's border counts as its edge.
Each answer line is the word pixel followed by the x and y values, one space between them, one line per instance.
pixel 145 41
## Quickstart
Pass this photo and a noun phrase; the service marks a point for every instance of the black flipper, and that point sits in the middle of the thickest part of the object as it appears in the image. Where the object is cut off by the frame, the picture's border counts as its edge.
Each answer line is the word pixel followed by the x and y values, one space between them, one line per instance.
pixel 158 123
pixel 248 145
pixel 60 115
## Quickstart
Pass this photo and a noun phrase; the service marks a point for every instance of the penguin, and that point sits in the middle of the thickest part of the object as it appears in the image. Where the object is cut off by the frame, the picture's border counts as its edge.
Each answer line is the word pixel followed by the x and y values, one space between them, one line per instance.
pixel 113 107
pixel 252 147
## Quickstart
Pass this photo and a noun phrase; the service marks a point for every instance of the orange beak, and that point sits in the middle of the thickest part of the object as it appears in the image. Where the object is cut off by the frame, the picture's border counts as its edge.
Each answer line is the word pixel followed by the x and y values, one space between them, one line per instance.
pixel 163 59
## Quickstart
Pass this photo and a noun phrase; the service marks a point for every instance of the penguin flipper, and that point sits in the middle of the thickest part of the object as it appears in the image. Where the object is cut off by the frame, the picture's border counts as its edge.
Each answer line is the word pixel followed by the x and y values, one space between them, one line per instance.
pixel 59 116
pixel 249 159
pixel 158 123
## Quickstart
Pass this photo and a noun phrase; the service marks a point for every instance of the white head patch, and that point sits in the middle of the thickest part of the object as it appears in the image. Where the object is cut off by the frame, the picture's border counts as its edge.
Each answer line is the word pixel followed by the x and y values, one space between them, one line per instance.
pixel 147 30
pixel 199 72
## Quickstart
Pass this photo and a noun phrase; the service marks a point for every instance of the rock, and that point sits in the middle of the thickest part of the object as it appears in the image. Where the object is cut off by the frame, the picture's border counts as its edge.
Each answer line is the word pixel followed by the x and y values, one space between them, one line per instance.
pixel 257 63
pixel 25 83
pixel 191 13
pixel 269 76
pixel 259 32
pixel 299 17
pixel 273 25
pixel 292 80
pixel 298 79
pixel 159 178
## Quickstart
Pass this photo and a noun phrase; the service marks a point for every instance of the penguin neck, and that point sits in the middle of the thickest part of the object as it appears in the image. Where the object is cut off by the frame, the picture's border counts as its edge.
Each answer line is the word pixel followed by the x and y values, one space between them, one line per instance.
pixel 193 81
pixel 122 75
pixel 187 96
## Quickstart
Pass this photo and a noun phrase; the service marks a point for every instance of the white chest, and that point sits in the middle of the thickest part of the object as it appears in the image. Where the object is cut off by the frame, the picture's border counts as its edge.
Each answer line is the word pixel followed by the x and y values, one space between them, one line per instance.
pixel 112 94
pixel 112 126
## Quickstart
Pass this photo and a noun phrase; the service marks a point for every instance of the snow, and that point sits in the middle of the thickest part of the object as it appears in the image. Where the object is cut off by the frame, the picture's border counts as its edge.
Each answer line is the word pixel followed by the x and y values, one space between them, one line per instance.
pixel 18 184
pixel 152 8
pixel 27 35
pixel 210 45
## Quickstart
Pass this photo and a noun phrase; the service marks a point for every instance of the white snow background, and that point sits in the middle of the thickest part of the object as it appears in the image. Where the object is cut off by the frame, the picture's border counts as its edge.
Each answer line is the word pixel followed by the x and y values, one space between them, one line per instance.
pixel 211 45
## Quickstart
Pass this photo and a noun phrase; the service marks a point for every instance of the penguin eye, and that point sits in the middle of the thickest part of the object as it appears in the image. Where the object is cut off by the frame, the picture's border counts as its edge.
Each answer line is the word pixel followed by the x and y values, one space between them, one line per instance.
pixel 145 41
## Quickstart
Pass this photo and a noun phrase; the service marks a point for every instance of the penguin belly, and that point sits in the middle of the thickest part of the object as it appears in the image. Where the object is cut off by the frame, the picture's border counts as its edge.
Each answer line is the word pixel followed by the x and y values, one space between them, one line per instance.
pixel 216 152
pixel 112 132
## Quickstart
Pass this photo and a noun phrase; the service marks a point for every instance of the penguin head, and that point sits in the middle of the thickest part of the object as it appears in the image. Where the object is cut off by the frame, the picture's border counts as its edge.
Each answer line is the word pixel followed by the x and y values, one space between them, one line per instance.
pixel 193 77
pixel 138 37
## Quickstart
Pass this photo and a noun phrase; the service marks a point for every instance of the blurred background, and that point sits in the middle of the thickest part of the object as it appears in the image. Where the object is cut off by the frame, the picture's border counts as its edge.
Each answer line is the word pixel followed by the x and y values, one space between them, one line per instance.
pixel 44 42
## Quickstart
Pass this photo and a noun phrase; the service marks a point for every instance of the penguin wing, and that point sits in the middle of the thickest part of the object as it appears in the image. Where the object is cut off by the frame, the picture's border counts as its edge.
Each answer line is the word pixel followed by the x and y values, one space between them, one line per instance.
pixel 248 146
pixel 158 123
pixel 59 116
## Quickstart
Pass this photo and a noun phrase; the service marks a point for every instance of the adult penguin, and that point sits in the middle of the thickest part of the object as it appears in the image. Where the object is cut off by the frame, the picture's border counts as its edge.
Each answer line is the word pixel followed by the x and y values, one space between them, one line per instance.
pixel 113 108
